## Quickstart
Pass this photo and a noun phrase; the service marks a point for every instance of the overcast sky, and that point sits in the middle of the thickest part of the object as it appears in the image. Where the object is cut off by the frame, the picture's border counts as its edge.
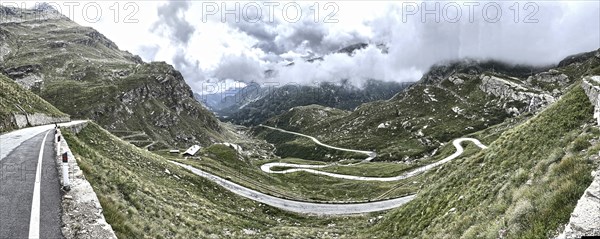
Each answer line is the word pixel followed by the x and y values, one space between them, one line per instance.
pixel 192 36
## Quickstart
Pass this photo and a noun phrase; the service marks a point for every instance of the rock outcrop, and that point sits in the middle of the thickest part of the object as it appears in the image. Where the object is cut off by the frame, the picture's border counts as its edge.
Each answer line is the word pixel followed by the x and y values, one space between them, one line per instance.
pixel 506 89
pixel 551 76
pixel 165 102
pixel 27 76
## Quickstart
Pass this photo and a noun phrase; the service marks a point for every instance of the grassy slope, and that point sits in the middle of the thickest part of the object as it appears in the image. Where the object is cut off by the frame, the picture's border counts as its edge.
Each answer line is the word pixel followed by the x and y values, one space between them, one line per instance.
pixel 289 145
pixel 223 161
pixel 141 200
pixel 11 95
pixel 526 184
pixel 340 95
pixel 14 99
pixel 303 117
pixel 495 193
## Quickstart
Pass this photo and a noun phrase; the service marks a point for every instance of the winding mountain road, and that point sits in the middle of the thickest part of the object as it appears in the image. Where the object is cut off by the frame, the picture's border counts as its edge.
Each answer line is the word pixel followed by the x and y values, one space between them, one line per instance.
pixel 30 197
pixel 299 206
pixel 328 208
pixel 311 168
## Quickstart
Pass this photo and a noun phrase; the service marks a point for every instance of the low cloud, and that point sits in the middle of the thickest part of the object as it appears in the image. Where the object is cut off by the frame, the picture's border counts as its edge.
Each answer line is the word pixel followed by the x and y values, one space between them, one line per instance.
pixel 148 52
pixel 365 64
pixel 190 69
pixel 562 29
pixel 172 22
pixel 240 68
pixel 414 46
pixel 558 33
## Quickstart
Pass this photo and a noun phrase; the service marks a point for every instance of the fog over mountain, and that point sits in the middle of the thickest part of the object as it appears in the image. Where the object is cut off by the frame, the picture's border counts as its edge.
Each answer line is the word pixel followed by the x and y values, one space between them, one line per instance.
pixel 242 51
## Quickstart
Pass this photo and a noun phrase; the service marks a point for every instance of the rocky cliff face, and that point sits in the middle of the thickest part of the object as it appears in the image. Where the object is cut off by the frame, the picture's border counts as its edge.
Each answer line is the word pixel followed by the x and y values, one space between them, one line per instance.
pixel 512 91
pixel 157 94
pixel 84 74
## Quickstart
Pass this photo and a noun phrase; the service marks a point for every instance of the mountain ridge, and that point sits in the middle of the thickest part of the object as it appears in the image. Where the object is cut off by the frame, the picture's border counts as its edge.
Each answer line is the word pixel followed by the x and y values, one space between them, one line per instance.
pixel 449 101
pixel 83 73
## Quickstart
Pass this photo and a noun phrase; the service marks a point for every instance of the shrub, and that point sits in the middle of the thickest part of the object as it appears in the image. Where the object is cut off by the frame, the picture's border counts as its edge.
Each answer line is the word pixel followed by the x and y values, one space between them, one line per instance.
pixel 580 144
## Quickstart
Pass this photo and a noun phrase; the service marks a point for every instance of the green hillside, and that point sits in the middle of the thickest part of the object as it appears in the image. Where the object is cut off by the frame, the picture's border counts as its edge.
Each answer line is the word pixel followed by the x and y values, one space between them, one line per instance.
pixel 520 186
pixel 525 185
pixel 272 101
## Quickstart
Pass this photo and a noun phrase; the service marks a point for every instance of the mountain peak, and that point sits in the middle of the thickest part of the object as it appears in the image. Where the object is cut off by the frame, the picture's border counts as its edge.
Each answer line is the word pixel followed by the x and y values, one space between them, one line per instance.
pixel 44 6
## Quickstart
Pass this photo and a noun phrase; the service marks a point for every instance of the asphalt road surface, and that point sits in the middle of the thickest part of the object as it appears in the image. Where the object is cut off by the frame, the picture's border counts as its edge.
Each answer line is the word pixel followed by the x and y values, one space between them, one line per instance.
pixel 30 195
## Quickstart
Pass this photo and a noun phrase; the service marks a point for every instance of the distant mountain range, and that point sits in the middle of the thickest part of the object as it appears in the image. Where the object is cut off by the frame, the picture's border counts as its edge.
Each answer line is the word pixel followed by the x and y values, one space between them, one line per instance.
pixel 254 103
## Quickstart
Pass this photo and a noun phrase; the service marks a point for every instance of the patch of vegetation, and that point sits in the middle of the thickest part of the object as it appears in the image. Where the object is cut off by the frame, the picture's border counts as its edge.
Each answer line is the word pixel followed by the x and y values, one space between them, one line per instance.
pixel 524 186
pixel 581 144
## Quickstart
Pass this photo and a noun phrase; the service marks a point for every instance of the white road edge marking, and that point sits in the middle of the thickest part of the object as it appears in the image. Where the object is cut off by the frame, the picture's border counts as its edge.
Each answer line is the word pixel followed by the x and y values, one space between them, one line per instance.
pixel 34 221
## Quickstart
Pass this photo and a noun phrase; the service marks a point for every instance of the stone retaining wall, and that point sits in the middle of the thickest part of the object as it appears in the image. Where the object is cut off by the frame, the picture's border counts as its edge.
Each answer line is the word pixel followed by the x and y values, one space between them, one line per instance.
pixel 82 213
pixel 36 119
